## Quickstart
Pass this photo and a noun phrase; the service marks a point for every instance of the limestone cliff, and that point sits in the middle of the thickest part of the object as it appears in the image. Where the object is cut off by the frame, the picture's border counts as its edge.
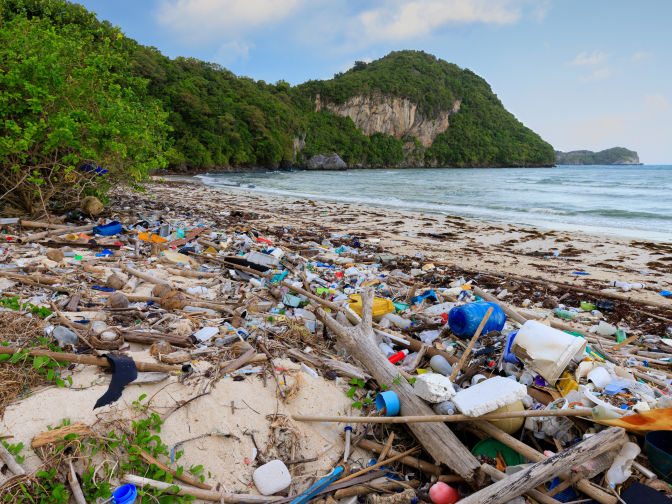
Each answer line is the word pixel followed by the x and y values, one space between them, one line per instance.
pixel 391 115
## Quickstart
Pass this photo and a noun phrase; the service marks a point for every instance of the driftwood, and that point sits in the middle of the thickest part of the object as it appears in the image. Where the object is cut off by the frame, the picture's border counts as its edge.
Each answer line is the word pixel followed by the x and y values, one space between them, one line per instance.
pixel 72 303
pixel 436 438
pixel 56 232
pixel 528 452
pixel 610 295
pixel 465 354
pixel 183 477
pixel 148 337
pixel 56 435
pixel 175 357
pixel 209 495
pixel 371 487
pixel 543 471
pixel 534 494
pixel 74 485
pixel 146 276
pixel 131 285
pixel 89 360
pixel 581 412
pixel 11 462
pixel 341 368
pixel 191 273
pixel 414 462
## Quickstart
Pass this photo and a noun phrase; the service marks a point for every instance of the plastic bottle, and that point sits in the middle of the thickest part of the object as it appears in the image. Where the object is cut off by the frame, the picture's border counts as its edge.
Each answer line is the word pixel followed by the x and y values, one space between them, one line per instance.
pixel 440 365
pixel 464 320
pixel 65 336
pixel 620 336
pixel 602 413
pixel 398 356
pixel 600 463
pixel 386 349
pixel 397 321
pixel 444 408
pixel 621 469
pixel 564 314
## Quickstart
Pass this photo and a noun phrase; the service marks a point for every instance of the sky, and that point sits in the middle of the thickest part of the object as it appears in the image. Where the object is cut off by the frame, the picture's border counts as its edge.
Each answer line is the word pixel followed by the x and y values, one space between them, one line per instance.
pixel 583 74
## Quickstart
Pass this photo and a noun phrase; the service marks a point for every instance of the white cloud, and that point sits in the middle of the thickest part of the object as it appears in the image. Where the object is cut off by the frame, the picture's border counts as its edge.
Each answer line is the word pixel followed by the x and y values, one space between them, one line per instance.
pixel 196 19
pixel 584 59
pixel 656 102
pixel 408 19
pixel 596 75
pixel 641 56
pixel 230 52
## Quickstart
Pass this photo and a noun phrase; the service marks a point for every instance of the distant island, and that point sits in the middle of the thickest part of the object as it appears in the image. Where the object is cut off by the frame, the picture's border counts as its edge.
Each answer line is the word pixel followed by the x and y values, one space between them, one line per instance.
pixel 615 156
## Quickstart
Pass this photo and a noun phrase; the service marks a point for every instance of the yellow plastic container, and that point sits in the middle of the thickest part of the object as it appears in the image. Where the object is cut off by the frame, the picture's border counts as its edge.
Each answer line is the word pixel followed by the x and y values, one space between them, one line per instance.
pixel 509 425
pixel 566 383
pixel 151 237
pixel 380 306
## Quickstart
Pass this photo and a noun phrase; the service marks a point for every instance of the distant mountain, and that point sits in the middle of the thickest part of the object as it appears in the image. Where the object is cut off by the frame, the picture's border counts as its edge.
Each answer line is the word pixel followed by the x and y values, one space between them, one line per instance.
pixel 615 156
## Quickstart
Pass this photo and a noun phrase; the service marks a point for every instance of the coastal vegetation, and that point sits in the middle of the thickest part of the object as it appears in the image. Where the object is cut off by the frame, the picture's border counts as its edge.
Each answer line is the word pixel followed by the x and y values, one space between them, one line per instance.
pixel 616 155
pixel 79 95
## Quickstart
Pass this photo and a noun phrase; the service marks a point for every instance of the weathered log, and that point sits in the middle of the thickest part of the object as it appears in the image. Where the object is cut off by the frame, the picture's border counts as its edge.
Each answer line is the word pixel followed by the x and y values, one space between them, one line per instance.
pixel 436 438
pixel 131 285
pixel 148 337
pixel 526 451
pixel 546 470
pixel 56 232
pixel 371 488
pixel 146 276
pixel 74 485
pixel 11 462
pixel 534 494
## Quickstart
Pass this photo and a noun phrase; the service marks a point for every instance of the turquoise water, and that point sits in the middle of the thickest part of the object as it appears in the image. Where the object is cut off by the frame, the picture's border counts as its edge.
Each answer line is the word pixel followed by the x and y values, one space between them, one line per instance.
pixel 633 201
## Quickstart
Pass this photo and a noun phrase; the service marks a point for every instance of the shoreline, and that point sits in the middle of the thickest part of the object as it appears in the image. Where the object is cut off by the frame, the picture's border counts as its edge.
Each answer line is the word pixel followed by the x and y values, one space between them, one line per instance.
pixel 472 244
pixel 605 232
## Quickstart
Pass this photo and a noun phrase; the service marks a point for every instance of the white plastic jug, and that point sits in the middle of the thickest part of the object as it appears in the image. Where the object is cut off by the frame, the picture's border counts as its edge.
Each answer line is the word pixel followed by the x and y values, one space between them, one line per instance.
pixel 545 350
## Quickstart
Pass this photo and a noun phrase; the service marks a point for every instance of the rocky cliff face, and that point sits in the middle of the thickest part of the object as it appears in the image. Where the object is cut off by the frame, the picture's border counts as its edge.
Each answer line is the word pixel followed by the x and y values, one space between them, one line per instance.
pixel 394 116
pixel 631 160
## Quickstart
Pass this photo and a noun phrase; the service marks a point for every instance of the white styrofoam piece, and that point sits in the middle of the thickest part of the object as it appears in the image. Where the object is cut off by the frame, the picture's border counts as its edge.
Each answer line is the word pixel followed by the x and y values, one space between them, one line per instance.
pixel 433 387
pixel 272 477
pixel 488 395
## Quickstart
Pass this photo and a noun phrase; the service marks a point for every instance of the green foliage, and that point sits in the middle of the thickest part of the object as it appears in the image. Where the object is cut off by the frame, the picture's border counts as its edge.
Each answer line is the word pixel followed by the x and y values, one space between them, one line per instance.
pixel 69 99
pixel 605 157
pixel 13 304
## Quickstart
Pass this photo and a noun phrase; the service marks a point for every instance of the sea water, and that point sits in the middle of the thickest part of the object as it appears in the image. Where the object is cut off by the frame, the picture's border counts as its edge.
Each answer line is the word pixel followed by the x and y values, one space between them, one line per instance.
pixel 632 201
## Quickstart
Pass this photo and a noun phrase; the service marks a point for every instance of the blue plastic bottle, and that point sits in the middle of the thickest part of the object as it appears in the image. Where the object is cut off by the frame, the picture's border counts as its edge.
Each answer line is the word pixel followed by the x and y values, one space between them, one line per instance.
pixel 464 320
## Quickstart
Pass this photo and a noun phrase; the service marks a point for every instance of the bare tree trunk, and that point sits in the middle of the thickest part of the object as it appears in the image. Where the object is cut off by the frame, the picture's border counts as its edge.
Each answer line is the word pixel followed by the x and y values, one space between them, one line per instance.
pixel 436 438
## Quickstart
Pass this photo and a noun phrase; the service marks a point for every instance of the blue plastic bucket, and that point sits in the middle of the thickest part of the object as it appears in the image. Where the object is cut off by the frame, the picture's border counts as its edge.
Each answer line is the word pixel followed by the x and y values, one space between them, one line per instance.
pixel 125 494
pixel 388 400
pixel 659 451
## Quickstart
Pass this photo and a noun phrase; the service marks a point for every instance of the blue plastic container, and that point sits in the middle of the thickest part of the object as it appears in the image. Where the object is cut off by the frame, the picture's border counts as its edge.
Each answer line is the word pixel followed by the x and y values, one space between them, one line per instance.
pixel 464 320
pixel 659 451
pixel 110 229
pixel 388 400
pixel 125 494
pixel 509 356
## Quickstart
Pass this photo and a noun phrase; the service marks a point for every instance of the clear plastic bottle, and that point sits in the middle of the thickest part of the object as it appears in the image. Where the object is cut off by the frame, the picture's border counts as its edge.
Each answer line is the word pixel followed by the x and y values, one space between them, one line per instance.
pixel 444 408
pixel 564 314
pixel 602 413
pixel 600 463
pixel 439 364
pixel 386 349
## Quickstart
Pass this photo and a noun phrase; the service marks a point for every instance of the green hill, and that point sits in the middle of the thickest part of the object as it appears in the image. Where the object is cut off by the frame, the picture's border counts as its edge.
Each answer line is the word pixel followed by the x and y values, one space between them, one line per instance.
pixel 220 120
pixel 614 156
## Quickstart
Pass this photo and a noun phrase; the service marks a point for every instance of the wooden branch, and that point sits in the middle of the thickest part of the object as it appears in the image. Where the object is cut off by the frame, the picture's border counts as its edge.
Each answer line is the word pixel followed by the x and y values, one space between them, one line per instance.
pixel 208 495
pixel 386 448
pixel 38 224
pixel 310 295
pixel 146 276
pixel 191 273
pixel 371 488
pixel 74 485
pixel 467 352
pixel 505 308
pixel 526 451
pixel 426 467
pixel 131 285
pixel 580 412
pixel 341 368
pixel 148 337
pixel 525 480
pixel 376 466
pixel 436 438
pixel 87 359
pixel 183 477
pixel 610 295
pixel 11 462
pixel 56 232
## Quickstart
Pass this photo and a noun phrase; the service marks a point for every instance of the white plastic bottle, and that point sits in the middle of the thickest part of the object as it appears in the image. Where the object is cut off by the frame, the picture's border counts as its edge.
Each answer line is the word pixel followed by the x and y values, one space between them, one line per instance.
pixel 398 321
pixel 386 349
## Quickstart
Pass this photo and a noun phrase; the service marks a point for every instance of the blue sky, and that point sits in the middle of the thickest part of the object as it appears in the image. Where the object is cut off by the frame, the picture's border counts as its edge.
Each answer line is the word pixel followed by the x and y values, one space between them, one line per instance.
pixel 583 74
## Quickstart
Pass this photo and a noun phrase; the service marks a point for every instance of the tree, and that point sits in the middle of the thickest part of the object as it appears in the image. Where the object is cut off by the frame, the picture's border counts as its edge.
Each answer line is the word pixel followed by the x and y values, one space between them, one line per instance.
pixel 69 105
